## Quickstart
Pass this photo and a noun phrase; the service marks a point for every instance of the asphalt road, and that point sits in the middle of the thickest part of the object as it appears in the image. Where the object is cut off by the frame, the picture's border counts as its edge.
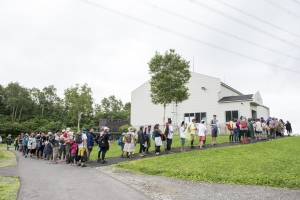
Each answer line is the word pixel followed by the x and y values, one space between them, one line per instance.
pixel 41 180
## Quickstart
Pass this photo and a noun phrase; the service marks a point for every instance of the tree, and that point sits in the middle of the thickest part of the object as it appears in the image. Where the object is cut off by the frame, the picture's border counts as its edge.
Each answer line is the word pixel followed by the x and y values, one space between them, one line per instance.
pixel 79 101
pixel 169 76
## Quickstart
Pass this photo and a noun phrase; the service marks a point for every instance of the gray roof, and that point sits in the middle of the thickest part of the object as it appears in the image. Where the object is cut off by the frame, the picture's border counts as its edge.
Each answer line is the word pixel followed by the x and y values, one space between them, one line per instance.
pixel 237 98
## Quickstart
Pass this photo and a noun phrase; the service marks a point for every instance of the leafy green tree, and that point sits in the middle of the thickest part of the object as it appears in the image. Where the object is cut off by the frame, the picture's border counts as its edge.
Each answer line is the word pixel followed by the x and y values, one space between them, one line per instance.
pixel 79 101
pixel 169 76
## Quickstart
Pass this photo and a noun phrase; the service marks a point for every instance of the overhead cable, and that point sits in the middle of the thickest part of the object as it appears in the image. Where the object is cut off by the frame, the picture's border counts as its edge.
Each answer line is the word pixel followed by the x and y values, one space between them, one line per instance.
pixel 257 18
pixel 283 8
pixel 214 29
pixel 182 35
pixel 243 23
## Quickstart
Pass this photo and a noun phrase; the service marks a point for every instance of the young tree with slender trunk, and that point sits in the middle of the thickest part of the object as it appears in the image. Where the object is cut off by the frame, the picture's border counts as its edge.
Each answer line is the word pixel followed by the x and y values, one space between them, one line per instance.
pixel 169 76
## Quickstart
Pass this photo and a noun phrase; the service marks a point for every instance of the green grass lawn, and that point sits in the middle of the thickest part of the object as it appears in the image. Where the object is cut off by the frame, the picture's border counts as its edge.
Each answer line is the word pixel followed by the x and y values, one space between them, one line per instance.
pixel 274 163
pixel 9 187
pixel 115 149
pixel 7 158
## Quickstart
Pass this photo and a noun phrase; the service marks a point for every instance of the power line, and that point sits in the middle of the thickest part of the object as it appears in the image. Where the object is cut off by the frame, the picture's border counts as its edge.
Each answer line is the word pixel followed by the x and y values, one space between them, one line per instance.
pixel 182 35
pixel 296 1
pixel 243 23
pixel 214 29
pixel 283 9
pixel 257 18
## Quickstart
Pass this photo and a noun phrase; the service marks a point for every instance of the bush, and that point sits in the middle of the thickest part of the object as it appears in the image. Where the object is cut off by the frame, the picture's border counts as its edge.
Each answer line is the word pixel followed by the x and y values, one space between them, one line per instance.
pixel 124 128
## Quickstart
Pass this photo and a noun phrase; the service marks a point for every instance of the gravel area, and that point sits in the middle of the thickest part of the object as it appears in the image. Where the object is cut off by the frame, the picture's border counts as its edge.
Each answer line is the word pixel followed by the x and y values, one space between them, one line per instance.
pixel 162 188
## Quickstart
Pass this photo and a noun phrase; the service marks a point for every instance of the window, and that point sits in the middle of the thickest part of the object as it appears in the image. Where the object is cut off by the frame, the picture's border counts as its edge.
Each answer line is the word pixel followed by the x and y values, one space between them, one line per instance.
pixel 200 116
pixel 231 115
pixel 188 117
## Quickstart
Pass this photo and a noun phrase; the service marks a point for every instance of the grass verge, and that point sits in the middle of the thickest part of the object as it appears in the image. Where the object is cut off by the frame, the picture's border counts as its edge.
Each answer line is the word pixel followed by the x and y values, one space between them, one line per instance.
pixel 274 163
pixel 9 187
pixel 115 149
pixel 7 158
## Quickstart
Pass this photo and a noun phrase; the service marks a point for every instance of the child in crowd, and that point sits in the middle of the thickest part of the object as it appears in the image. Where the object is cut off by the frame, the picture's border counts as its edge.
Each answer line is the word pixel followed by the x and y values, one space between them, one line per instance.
pixel 73 152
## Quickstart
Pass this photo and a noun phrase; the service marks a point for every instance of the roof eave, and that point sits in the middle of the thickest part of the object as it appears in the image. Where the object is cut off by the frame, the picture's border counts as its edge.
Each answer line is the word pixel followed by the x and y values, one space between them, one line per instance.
pixel 230 88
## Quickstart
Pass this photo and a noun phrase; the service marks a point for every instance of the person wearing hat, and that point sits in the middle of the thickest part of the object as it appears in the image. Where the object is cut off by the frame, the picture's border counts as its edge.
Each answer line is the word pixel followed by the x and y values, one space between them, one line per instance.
pixel 81 147
pixel 148 139
pixel 104 144
pixel 129 146
pixel 8 141
pixel 191 130
pixel 97 141
pixel 201 133
pixel 25 145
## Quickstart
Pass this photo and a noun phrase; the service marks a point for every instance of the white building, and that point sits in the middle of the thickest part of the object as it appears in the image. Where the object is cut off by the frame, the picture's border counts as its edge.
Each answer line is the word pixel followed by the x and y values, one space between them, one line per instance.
pixel 208 96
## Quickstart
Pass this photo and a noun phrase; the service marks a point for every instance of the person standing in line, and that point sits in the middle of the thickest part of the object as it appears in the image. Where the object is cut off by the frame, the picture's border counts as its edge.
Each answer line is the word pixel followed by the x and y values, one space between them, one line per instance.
pixel 90 144
pixel 31 144
pixel 25 145
pixel 230 128
pixel 258 130
pixel 282 125
pixel 169 137
pixel 191 130
pixel 251 125
pixel 182 135
pixel 121 143
pixel 97 141
pixel 148 141
pixel 201 133
pixel 236 130
pixel 129 146
pixel 82 145
pixel 141 141
pixel 16 142
pixel 0 141
pixel 157 138
pixel 288 127
pixel 8 141
pixel 73 149
pixel 55 143
pixel 104 143
pixel 244 129
pixel 214 129
pixel 272 128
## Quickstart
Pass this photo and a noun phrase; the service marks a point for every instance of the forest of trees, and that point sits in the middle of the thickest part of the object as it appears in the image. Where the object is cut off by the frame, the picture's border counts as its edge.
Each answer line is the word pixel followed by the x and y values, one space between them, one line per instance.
pixel 31 109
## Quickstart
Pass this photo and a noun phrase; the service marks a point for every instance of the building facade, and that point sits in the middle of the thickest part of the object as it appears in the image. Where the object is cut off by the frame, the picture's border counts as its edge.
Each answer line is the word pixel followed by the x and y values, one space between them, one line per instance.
pixel 208 97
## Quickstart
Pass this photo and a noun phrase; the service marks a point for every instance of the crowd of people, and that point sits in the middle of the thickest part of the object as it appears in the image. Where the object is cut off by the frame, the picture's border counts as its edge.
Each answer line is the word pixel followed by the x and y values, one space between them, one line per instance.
pixel 75 149
pixel 63 146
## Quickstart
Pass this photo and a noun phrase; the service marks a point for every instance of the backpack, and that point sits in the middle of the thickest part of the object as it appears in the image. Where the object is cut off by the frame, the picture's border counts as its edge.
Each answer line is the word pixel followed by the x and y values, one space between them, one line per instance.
pixel 167 130
pixel 244 124
pixel 101 141
pixel 78 138
pixel 263 125
pixel 272 124
pixel 128 138
pixel 153 136
pixel 234 125
pixel 120 141
pixel 52 139
pixel 228 127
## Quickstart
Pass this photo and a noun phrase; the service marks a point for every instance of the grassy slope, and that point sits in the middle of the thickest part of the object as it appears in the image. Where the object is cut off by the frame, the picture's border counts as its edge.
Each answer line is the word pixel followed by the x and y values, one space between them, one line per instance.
pixel 274 163
pixel 115 149
pixel 9 186
pixel 7 158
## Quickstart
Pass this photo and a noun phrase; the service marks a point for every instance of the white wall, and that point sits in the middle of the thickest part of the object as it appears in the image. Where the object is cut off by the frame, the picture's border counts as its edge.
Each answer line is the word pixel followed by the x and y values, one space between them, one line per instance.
pixel 225 92
pixel 243 109
pixel 257 98
pixel 263 112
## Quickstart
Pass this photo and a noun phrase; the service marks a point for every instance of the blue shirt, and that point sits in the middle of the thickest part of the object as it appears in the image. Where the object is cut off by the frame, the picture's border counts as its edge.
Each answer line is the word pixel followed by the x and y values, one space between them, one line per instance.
pixel 90 139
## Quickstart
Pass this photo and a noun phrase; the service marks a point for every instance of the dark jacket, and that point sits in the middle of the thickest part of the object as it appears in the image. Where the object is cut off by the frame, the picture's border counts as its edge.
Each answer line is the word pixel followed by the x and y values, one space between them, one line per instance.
pixel 48 149
pixel 8 140
pixel 141 137
pixel 90 139
pixel 157 133
pixel 288 126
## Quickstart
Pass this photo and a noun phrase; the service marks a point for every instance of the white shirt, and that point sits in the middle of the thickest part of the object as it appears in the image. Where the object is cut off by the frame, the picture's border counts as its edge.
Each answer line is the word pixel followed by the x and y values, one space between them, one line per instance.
pixel 258 126
pixel 201 130
pixel 84 137
pixel 170 135
pixel 182 134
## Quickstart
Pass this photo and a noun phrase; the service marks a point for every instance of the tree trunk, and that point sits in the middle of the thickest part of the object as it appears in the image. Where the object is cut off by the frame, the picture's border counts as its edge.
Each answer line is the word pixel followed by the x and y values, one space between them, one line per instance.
pixel 79 118
pixel 15 115
pixel 20 113
pixel 42 109
pixel 12 114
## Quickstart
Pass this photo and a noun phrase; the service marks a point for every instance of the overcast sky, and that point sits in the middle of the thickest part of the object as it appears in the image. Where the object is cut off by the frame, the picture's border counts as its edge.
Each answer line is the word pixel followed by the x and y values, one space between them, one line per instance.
pixel 62 43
